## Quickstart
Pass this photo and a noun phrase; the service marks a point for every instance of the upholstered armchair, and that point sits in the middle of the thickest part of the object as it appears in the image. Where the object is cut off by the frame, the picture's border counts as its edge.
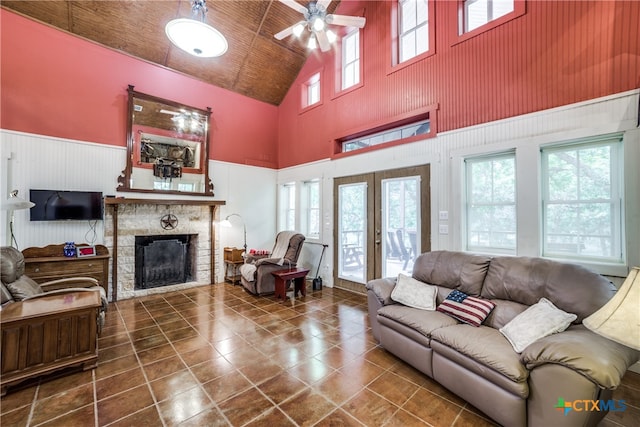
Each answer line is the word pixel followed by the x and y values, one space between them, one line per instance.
pixel 16 286
pixel 256 274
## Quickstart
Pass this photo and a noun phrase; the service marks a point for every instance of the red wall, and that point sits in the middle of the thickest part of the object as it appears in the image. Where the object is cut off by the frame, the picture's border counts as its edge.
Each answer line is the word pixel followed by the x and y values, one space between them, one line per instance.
pixel 59 85
pixel 557 53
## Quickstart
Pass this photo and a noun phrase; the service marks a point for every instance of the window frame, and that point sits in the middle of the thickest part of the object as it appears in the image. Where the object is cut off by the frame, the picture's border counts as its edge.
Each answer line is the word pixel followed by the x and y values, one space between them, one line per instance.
pixel 467 161
pixel 616 200
pixel 286 205
pixel 312 79
pixel 344 64
pixel 393 62
pixel 519 9
pixel 307 208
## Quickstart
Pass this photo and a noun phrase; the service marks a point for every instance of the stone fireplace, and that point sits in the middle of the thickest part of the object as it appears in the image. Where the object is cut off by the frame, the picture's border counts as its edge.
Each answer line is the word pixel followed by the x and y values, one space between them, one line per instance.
pixel 191 237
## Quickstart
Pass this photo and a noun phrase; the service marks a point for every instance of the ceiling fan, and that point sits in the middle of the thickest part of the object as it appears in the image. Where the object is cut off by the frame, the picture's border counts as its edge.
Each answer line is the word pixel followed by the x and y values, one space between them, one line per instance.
pixel 316 20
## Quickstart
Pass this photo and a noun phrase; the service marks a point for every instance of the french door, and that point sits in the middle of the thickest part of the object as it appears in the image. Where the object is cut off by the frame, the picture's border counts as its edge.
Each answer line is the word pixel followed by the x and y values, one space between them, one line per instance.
pixel 382 223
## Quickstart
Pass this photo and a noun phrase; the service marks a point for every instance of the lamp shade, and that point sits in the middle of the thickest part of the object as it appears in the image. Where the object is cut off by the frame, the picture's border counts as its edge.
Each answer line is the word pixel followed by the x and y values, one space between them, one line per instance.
pixel 196 38
pixel 619 319
pixel 15 202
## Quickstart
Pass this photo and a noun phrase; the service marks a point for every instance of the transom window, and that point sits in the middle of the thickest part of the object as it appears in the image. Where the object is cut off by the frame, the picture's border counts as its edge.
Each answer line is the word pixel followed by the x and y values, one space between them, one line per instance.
pixel 413 28
pixel 480 12
pixel 388 135
pixel 351 59
pixel 491 203
pixel 582 202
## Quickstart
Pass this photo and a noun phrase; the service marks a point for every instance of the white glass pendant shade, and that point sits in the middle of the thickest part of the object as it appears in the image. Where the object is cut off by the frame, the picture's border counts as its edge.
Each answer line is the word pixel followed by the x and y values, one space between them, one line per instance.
pixel 196 38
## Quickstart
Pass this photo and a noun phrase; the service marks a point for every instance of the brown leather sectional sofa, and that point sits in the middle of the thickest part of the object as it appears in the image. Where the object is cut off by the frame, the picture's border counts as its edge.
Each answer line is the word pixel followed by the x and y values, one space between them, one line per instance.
pixel 552 382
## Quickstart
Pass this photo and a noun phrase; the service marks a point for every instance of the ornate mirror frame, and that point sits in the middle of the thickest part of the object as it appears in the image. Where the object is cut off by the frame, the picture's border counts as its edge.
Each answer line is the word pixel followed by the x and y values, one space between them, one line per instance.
pixel 180 156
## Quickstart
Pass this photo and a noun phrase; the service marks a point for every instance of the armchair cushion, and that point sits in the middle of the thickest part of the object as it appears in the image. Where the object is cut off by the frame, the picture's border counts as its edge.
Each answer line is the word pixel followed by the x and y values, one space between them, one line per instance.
pixel 23 288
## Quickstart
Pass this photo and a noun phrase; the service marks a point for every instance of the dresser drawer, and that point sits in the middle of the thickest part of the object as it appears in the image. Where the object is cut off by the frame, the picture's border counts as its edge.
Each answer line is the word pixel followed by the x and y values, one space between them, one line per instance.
pixel 77 267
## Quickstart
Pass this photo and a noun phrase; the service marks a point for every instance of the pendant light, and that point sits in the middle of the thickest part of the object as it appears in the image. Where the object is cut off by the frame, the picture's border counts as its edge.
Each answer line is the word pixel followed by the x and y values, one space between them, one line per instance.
pixel 194 36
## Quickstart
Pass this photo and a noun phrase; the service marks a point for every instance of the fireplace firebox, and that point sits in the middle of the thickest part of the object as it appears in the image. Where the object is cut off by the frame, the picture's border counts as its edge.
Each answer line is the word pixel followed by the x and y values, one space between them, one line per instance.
pixel 164 260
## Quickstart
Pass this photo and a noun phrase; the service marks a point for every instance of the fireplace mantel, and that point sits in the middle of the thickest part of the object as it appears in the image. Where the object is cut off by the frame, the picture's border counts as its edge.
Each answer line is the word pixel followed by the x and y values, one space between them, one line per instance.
pixel 114 202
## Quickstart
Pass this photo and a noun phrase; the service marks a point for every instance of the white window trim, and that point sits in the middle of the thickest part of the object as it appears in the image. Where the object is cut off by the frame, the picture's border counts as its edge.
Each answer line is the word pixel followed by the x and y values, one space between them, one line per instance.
pixel 355 62
pixel 412 30
pixel 528 191
pixel 305 211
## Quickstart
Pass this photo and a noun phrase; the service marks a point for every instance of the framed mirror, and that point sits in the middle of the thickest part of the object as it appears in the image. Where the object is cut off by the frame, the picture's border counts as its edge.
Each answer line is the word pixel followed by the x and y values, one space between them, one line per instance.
pixel 167 147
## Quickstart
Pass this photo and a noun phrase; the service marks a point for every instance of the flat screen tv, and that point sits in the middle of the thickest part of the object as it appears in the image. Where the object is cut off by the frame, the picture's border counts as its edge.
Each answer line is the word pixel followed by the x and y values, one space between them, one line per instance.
pixel 54 205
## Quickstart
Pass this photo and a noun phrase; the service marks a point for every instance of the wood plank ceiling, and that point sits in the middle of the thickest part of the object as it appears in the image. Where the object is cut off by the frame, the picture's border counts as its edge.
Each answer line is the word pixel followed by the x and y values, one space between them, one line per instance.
pixel 256 64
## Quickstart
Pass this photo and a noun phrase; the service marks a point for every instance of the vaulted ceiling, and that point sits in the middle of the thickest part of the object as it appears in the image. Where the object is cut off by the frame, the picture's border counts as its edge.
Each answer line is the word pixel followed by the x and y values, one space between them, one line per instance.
pixel 256 64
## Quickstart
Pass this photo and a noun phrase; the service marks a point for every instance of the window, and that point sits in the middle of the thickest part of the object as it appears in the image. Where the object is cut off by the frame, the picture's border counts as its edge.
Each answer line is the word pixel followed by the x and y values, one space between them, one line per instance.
pixel 413 28
pixel 389 135
pixel 480 12
pixel 582 202
pixel 351 59
pixel 313 90
pixel 491 203
pixel 311 208
pixel 288 207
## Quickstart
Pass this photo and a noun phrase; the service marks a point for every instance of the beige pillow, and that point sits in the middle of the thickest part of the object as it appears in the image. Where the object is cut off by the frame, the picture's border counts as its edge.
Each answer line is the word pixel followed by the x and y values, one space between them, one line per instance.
pixel 538 321
pixel 23 287
pixel 414 293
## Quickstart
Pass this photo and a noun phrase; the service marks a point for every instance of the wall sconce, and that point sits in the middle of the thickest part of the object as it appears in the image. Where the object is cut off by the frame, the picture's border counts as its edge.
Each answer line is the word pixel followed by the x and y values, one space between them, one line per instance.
pixel 14 203
pixel 227 223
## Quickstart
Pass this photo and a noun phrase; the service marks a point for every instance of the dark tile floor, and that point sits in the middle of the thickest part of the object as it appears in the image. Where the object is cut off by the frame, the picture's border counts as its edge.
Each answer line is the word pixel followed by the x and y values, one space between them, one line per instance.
pixel 215 355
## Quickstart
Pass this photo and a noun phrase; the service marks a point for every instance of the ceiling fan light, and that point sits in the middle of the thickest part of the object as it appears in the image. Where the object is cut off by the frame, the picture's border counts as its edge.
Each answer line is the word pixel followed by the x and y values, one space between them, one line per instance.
pixel 318 24
pixel 196 38
pixel 331 36
pixel 298 29
pixel 312 42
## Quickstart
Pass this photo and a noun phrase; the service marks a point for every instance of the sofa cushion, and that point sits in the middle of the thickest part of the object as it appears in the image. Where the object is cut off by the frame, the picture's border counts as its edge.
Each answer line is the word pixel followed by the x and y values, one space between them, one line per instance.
pixel 422 321
pixel 525 280
pixel 503 312
pixel 540 320
pixel 484 345
pixel 414 293
pixel 465 308
pixel 23 288
pixel 454 270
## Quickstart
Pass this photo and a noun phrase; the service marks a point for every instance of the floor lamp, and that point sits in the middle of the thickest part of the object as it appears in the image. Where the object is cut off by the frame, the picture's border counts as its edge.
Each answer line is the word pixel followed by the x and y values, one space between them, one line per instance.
pixel 227 223
pixel 12 204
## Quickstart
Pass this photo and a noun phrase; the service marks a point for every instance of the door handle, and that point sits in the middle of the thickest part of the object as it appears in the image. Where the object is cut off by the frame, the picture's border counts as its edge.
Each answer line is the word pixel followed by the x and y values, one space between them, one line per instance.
pixel 378 242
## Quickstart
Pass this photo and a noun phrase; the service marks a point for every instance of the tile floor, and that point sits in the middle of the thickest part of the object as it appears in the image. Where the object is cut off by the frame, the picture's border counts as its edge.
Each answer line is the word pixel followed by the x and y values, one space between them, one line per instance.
pixel 215 355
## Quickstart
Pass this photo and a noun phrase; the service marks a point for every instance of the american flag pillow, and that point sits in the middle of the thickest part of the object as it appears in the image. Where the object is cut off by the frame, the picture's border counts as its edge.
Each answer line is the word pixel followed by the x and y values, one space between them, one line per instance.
pixel 466 309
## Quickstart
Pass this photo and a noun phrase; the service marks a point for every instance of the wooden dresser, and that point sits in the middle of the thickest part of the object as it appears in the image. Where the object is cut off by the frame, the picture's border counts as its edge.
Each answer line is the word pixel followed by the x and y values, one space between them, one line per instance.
pixel 49 263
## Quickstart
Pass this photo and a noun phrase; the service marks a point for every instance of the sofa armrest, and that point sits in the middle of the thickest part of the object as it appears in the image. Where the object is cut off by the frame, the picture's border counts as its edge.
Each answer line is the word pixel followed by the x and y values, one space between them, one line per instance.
pixel 601 360
pixel 382 289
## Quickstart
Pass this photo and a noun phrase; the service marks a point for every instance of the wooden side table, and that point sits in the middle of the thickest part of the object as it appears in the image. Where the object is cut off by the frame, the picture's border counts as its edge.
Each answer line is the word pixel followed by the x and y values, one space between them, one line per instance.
pixel 234 277
pixel 298 275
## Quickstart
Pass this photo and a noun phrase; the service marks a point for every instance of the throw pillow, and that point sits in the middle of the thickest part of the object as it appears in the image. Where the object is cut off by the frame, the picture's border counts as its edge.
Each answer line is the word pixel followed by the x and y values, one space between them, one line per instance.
pixel 414 293
pixel 23 288
pixel 538 321
pixel 467 309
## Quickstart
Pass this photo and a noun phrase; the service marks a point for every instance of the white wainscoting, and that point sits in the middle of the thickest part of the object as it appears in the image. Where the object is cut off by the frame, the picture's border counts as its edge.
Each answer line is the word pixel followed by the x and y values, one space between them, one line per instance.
pixel 41 162
pixel 611 114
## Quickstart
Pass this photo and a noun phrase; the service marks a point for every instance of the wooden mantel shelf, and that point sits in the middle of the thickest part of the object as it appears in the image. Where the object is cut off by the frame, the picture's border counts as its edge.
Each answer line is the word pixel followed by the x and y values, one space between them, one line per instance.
pixel 189 202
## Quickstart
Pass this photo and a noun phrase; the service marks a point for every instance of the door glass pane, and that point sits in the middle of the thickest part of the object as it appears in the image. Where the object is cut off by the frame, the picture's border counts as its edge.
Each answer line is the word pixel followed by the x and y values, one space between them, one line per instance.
pixel 400 225
pixel 352 225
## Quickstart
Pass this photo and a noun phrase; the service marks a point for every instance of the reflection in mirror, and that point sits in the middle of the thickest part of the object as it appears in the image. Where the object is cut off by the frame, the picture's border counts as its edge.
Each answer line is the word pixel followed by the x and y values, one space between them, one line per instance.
pixel 167 147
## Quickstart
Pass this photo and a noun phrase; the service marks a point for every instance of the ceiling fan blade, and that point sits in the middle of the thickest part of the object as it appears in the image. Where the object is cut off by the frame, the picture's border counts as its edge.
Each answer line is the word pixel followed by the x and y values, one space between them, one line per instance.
pixel 323 3
pixel 347 21
pixel 323 41
pixel 287 31
pixel 295 6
